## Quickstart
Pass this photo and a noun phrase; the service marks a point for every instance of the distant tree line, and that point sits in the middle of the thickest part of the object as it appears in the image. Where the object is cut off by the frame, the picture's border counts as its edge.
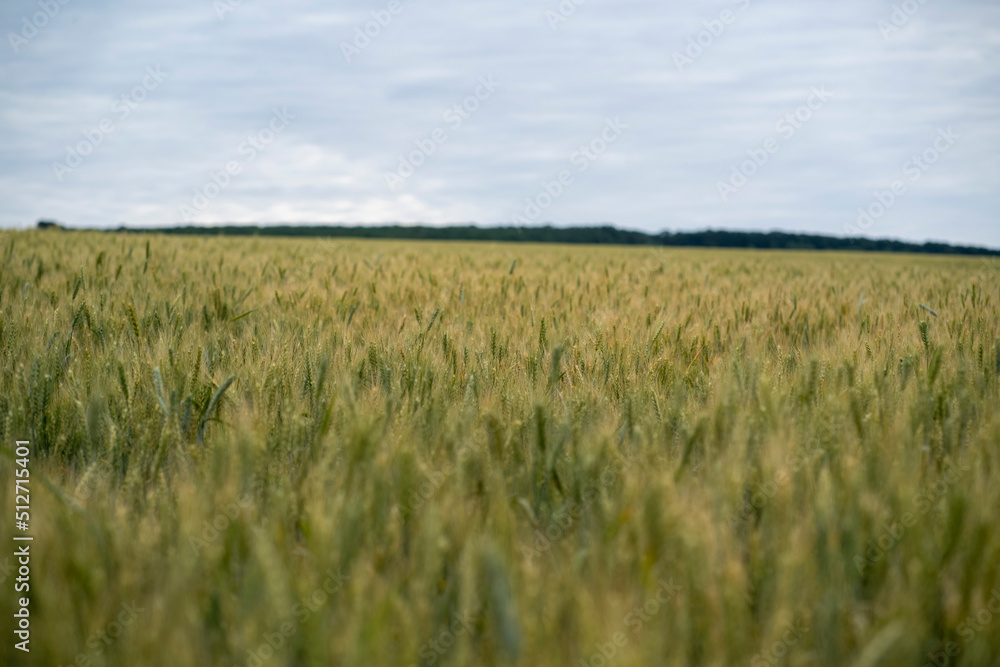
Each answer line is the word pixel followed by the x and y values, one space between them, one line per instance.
pixel 600 235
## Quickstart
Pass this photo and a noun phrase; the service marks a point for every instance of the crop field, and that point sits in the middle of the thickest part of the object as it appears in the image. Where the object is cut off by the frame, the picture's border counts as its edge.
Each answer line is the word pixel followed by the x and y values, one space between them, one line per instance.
pixel 262 452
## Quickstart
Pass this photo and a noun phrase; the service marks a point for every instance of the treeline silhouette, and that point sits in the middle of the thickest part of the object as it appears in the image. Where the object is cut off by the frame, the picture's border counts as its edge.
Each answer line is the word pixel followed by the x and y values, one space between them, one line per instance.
pixel 600 235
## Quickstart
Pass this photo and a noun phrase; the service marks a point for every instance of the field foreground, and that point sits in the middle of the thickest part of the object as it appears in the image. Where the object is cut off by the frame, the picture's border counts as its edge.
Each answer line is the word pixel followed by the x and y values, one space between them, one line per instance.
pixel 277 452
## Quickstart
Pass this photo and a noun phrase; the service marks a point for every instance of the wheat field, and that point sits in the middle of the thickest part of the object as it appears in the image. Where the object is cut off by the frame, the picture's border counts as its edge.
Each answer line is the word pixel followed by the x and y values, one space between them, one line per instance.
pixel 252 451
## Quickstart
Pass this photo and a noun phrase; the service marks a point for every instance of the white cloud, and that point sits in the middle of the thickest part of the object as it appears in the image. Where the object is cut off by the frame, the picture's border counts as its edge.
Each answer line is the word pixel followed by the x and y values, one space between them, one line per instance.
pixel 353 120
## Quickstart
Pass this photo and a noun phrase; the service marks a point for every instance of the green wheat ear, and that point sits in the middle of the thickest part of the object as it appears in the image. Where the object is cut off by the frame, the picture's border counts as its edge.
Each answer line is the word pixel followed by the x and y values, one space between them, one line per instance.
pixel 158 385
pixel 923 335
pixel 205 416
pixel 133 321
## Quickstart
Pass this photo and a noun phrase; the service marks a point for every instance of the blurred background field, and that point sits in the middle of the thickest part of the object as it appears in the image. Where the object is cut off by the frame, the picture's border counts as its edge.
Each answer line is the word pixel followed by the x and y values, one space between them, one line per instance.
pixel 255 451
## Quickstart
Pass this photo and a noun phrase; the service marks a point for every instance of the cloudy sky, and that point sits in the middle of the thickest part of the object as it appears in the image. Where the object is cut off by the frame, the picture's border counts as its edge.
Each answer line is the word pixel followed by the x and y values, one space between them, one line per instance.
pixel 743 114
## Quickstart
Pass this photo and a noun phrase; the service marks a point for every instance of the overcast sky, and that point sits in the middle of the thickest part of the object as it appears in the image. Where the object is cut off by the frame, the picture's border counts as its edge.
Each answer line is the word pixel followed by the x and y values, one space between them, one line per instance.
pixel 743 114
